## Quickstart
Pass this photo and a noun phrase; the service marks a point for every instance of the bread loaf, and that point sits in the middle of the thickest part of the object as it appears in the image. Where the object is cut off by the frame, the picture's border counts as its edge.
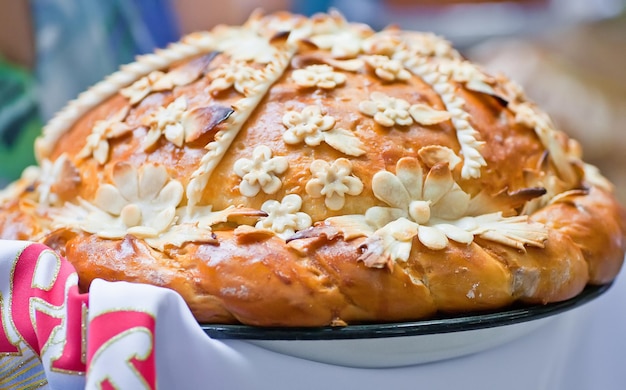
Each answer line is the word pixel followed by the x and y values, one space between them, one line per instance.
pixel 302 171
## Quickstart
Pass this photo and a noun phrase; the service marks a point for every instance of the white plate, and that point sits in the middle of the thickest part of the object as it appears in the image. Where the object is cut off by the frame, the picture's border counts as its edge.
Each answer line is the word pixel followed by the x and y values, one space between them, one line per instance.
pixel 399 351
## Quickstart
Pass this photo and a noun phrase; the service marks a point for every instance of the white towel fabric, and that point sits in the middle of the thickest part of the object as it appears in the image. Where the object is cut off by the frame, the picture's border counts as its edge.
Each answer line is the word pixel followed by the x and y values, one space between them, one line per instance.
pixel 135 336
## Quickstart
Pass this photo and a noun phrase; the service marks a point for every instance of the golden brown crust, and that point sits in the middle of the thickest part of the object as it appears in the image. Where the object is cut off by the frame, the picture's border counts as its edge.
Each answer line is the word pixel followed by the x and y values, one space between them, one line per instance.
pixel 554 273
pixel 595 222
pixel 281 179
pixel 16 225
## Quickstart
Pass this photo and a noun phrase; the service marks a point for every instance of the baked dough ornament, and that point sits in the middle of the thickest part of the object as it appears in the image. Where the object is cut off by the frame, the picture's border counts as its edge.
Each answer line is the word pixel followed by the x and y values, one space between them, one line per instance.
pixel 309 171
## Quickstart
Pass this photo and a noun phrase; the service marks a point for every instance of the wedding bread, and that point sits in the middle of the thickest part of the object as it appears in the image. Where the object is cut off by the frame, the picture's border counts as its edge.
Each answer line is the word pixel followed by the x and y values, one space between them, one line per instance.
pixel 309 171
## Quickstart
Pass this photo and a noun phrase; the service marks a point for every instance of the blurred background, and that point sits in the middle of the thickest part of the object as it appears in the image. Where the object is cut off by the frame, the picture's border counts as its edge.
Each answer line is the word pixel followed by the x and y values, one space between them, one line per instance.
pixel 569 55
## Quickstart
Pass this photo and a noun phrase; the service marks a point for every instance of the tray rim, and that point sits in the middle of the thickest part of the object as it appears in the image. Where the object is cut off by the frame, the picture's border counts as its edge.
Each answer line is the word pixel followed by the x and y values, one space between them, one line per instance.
pixel 439 325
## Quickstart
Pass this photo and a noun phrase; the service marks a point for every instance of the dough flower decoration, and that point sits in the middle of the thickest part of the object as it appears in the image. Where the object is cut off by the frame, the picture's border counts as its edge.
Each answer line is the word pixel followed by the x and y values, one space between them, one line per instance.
pixel 195 225
pixel 469 74
pixel 383 43
pixel 408 46
pixel 238 75
pixel 160 81
pixel 168 121
pixel 509 90
pixel 242 44
pixel 141 88
pixel 97 144
pixel 387 69
pixel 433 209
pixel 284 218
pixel 320 76
pixel 27 180
pixel 56 179
pixel 343 41
pixel 139 202
pixel 333 181
pixel 273 25
pixel 312 126
pixel 389 111
pixel 260 172
pixel 184 74
pixel 429 45
pixel 529 115
pixel 593 177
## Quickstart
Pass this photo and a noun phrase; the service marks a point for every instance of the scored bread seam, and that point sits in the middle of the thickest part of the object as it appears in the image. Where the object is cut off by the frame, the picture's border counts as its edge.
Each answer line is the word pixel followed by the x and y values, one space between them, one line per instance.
pixel 224 138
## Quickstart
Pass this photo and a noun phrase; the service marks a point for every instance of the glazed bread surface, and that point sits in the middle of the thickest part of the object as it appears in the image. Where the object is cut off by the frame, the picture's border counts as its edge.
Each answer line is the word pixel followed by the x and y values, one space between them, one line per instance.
pixel 309 171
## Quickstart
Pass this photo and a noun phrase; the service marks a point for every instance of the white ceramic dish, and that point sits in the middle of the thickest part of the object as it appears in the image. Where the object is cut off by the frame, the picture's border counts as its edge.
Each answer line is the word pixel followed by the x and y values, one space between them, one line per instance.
pixel 403 344
pixel 399 351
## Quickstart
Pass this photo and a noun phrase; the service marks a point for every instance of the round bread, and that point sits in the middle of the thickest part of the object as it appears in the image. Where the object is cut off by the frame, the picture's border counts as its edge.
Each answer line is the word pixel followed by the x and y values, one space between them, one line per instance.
pixel 308 171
